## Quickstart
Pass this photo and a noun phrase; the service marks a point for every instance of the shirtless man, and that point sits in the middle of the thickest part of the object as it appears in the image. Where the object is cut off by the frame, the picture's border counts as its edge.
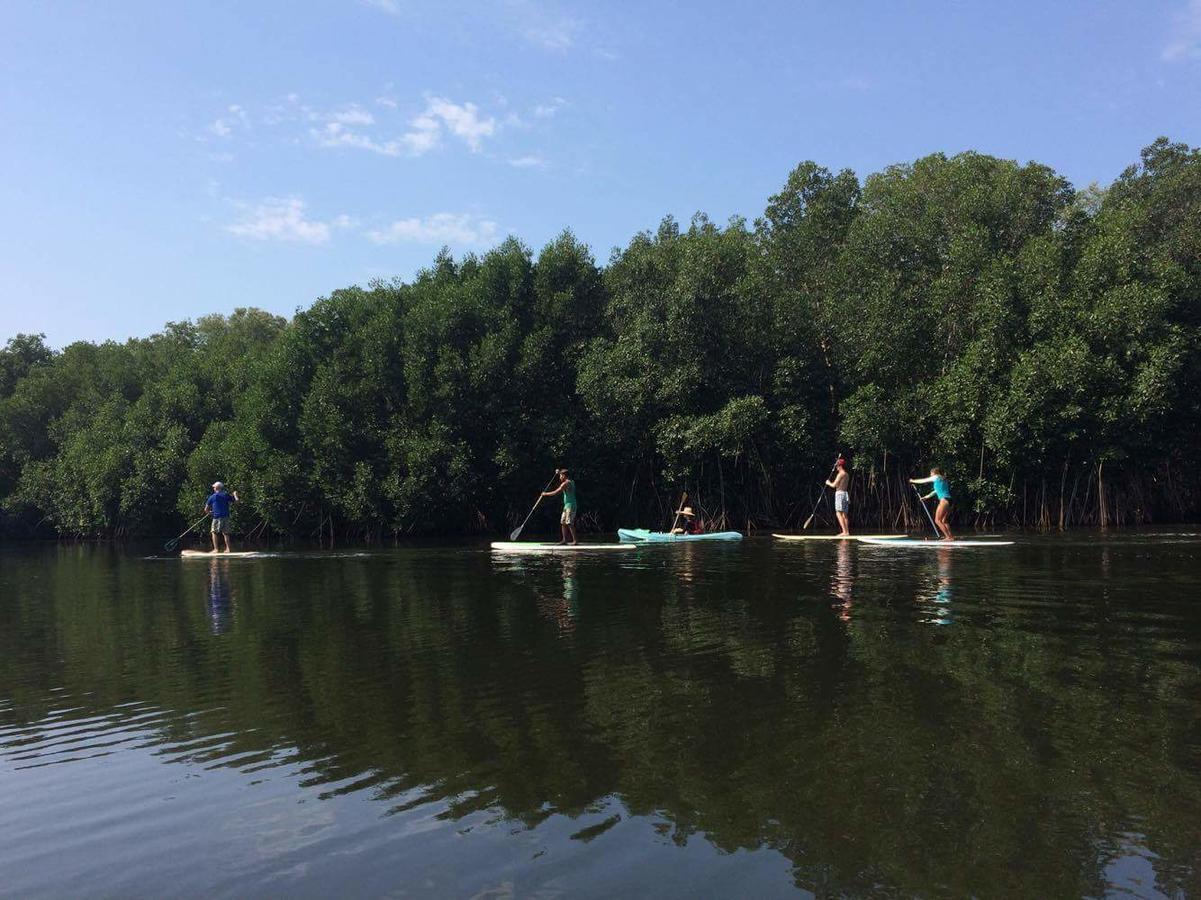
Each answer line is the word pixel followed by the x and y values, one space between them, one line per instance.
pixel 842 496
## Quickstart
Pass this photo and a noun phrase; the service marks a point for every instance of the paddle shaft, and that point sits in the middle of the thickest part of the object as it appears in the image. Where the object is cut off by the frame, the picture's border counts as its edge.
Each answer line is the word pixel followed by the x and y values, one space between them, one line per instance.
pixel 517 531
pixel 822 494
pixel 172 544
pixel 922 501
pixel 679 512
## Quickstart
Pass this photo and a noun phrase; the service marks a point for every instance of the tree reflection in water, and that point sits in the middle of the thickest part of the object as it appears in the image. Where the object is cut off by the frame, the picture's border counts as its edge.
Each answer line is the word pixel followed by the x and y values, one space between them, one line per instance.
pixel 689 696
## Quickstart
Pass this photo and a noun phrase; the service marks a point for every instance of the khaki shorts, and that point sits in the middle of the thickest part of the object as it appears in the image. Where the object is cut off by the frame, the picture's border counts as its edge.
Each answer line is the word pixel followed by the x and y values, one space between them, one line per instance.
pixel 568 517
pixel 221 526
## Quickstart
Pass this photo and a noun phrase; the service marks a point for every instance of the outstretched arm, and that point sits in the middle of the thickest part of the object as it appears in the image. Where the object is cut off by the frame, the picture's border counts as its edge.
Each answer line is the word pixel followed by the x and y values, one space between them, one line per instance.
pixel 929 480
pixel 830 484
pixel 557 490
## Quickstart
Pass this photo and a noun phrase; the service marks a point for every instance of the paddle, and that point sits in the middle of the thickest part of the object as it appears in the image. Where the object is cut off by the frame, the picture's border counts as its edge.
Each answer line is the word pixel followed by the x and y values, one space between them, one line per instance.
pixel 922 502
pixel 679 512
pixel 822 494
pixel 172 544
pixel 517 531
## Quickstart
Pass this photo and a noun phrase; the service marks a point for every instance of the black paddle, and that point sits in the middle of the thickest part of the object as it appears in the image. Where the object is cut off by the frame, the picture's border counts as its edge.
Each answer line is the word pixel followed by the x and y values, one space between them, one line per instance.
pixel 922 500
pixel 517 531
pixel 822 494
pixel 172 544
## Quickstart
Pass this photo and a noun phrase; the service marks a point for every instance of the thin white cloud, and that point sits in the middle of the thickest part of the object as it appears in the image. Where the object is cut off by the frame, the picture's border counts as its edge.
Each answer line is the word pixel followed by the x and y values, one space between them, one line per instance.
pixel 334 134
pixel 352 115
pixel 425 135
pixel 392 7
pixel 549 109
pixel 455 229
pixel 355 126
pixel 440 117
pixel 556 35
pixel 1185 43
pixel 283 220
pixel 541 23
pixel 235 116
pixel 530 161
pixel 462 120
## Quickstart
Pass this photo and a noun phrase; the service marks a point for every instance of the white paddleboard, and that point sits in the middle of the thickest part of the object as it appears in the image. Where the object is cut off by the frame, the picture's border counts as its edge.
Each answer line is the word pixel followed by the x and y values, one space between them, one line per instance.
pixel 208 554
pixel 839 537
pixel 534 547
pixel 935 544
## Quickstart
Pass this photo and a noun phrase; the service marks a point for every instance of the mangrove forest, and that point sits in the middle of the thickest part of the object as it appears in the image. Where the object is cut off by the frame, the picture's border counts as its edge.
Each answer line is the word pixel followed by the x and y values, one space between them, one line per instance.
pixel 1040 342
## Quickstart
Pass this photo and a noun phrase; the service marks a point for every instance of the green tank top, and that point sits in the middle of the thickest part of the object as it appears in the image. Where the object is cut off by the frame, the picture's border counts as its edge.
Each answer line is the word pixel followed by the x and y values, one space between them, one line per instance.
pixel 569 495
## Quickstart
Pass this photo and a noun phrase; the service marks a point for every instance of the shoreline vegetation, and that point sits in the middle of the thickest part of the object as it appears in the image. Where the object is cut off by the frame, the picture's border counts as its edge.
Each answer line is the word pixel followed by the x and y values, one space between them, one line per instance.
pixel 1039 342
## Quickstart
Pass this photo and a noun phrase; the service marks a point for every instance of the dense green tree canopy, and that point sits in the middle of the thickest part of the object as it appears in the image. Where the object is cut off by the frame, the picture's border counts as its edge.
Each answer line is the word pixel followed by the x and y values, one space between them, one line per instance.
pixel 1041 344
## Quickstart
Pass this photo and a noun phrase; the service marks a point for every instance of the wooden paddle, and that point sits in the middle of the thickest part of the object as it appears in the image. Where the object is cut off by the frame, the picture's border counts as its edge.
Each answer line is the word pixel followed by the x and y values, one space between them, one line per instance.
pixel 516 533
pixel 679 512
pixel 822 494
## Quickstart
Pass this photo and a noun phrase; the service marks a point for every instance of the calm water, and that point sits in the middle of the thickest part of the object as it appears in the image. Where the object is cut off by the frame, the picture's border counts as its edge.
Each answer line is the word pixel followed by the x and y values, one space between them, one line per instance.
pixel 753 721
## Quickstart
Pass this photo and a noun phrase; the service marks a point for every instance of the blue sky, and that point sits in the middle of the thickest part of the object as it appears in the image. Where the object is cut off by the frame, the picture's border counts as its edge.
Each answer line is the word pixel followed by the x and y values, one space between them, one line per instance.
pixel 163 160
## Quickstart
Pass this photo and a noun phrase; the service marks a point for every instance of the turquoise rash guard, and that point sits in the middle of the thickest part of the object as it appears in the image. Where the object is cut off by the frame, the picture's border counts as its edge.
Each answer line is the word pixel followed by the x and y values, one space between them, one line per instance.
pixel 942 487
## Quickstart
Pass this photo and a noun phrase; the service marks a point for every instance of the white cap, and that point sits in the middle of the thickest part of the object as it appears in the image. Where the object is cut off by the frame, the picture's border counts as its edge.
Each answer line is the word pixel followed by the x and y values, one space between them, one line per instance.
pixel 217 485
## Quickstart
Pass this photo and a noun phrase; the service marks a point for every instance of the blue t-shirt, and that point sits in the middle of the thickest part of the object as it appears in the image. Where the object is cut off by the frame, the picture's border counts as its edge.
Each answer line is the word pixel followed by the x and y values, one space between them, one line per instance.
pixel 942 487
pixel 219 504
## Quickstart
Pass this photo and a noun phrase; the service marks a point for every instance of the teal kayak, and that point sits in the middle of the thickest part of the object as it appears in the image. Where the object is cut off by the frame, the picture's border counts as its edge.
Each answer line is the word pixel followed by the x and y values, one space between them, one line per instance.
pixel 636 535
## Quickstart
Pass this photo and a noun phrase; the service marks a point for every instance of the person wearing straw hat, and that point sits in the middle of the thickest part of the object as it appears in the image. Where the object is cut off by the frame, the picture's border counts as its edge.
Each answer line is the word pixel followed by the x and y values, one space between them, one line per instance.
pixel 842 496
pixel 217 506
pixel 689 523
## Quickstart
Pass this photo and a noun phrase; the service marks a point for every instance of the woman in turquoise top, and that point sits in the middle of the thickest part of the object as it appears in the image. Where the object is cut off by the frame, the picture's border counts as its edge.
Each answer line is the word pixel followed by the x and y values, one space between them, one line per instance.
pixel 567 520
pixel 942 490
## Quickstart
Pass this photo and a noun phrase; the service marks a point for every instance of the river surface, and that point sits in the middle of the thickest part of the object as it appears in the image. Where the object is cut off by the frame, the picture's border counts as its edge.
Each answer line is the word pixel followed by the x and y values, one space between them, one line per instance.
pixel 755 720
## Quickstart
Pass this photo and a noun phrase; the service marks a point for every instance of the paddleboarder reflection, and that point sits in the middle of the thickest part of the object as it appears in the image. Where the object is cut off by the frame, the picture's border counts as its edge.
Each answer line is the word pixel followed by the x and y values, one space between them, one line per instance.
pixel 563 610
pixel 941 594
pixel 220 597
pixel 843 580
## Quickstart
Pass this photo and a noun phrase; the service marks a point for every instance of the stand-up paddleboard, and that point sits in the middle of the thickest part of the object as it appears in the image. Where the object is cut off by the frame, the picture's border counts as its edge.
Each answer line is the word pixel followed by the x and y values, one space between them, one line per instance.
pixel 935 544
pixel 209 554
pixel 534 547
pixel 642 535
pixel 839 537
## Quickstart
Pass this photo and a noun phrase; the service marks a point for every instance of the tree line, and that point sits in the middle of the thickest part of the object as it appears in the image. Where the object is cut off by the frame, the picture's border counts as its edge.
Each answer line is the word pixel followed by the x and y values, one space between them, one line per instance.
pixel 1040 343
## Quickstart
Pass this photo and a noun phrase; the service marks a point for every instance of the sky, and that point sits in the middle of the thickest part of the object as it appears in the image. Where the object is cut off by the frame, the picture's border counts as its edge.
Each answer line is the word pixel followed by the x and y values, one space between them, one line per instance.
pixel 160 161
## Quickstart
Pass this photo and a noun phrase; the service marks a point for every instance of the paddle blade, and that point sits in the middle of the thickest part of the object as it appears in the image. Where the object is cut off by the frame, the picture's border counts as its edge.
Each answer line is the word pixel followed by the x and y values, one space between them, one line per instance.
pixel 807 521
pixel 516 533
pixel 171 545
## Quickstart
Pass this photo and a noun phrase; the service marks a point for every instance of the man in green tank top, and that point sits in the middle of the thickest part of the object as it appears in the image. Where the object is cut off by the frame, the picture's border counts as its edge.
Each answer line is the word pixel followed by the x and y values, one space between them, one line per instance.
pixel 567 520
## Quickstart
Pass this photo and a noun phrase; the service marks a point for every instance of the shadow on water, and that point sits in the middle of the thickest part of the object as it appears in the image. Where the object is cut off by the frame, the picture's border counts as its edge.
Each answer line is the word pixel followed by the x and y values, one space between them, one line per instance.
pixel 754 720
